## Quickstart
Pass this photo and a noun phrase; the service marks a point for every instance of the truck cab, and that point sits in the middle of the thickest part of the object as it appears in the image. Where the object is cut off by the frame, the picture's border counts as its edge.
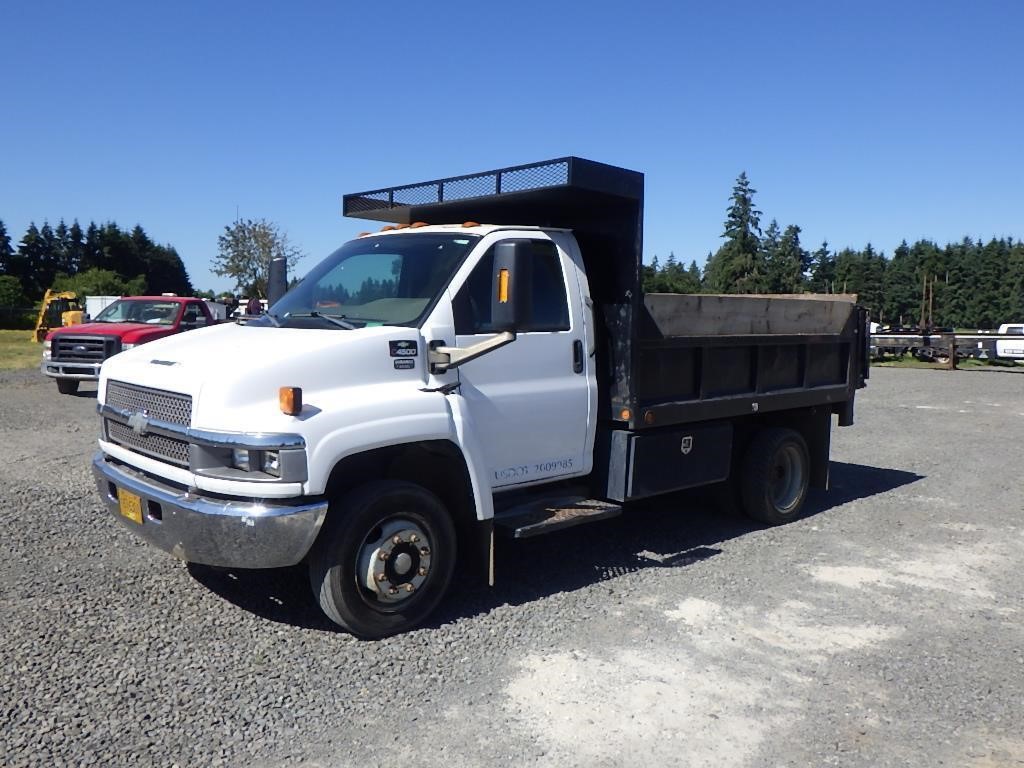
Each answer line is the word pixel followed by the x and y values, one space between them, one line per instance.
pixel 441 379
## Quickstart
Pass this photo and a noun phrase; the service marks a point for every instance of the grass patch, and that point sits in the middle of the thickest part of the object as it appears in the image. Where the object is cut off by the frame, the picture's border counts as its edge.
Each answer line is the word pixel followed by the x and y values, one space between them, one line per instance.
pixel 17 350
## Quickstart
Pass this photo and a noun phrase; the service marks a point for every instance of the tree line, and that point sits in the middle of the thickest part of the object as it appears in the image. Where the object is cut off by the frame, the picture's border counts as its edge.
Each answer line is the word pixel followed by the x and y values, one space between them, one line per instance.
pixel 100 260
pixel 969 284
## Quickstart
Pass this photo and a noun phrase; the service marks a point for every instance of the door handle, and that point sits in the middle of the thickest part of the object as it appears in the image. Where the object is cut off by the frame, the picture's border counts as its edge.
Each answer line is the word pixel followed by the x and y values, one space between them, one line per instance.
pixel 577 356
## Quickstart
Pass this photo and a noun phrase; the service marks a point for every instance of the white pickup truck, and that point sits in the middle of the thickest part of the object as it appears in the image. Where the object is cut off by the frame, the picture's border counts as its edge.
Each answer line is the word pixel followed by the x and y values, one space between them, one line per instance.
pixel 428 384
pixel 1011 348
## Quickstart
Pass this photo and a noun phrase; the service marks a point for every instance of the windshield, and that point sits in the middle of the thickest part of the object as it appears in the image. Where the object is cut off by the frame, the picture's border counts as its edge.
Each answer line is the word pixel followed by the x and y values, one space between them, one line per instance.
pixel 152 312
pixel 392 280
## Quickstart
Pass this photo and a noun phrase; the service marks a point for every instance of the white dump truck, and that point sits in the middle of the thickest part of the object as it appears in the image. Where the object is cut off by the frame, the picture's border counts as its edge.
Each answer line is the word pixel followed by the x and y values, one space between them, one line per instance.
pixel 486 362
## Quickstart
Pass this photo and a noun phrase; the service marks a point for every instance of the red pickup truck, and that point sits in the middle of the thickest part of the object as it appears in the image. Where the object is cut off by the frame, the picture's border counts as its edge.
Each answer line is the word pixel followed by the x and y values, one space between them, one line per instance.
pixel 75 354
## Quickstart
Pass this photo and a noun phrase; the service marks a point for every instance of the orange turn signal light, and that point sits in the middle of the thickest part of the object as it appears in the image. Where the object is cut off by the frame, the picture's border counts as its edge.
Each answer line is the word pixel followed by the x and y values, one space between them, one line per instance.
pixel 503 286
pixel 290 400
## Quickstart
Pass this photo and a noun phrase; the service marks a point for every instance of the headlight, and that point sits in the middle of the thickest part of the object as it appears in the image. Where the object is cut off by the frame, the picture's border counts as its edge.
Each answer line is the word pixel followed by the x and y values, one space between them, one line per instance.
pixel 47 348
pixel 240 459
pixel 270 463
pixel 256 461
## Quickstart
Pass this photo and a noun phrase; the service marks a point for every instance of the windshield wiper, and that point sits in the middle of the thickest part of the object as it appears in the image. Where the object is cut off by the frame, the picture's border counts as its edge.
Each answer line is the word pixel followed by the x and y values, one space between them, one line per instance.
pixel 338 320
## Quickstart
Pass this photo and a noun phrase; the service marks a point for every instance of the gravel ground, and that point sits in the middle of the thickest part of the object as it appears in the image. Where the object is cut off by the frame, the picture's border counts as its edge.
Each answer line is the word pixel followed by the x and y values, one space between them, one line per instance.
pixel 886 628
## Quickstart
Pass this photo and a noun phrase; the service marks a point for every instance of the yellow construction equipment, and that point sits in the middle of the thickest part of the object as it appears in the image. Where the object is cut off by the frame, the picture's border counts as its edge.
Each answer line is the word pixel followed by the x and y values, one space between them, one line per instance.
pixel 59 308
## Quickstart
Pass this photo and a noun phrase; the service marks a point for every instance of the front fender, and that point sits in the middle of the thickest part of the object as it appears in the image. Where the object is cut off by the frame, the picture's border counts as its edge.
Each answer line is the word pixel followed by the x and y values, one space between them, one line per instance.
pixel 424 417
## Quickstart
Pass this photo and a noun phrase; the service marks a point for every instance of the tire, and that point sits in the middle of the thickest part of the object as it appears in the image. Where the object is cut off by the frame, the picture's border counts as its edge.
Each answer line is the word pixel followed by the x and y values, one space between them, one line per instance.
pixel 775 474
pixel 67 386
pixel 384 559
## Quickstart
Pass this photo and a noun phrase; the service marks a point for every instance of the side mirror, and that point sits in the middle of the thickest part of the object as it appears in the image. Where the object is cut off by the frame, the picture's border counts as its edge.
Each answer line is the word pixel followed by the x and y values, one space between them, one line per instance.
pixel 511 285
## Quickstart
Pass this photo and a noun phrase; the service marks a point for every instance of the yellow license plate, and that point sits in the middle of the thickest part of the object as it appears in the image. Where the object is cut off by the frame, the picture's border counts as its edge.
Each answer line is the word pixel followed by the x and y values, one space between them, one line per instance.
pixel 130 505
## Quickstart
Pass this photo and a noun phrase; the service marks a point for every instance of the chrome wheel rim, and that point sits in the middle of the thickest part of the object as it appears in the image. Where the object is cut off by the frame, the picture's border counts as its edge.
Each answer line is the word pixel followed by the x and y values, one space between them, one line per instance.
pixel 394 562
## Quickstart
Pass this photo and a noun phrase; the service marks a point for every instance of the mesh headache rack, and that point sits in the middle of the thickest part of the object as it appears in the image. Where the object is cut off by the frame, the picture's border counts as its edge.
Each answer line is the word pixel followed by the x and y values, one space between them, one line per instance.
pixel 567 192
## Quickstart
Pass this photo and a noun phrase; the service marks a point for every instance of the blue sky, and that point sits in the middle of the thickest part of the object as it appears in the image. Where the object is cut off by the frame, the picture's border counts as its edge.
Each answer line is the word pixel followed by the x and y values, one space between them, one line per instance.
pixel 868 121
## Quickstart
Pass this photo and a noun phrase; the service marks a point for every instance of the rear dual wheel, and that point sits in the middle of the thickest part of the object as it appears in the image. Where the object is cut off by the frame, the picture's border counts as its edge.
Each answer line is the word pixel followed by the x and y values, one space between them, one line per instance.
pixel 775 475
pixel 385 558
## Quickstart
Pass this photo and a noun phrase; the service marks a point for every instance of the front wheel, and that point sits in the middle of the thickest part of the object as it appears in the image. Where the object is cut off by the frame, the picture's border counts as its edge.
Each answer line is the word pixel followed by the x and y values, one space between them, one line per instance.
pixel 67 386
pixel 775 476
pixel 384 560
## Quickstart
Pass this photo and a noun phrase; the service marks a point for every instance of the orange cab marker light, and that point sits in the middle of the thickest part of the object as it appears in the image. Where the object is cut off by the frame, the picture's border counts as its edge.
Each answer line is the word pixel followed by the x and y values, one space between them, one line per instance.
pixel 471 224
pixel 290 400
pixel 400 226
pixel 388 227
pixel 362 234
pixel 625 415
pixel 417 224
pixel 503 286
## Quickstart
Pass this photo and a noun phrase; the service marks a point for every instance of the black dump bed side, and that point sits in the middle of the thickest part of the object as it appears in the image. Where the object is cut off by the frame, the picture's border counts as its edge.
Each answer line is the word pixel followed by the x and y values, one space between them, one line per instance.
pixel 671 359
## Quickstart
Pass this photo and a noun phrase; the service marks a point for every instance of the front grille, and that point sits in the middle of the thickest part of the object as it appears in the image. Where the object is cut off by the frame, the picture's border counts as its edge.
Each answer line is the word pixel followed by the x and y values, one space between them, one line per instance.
pixel 82 348
pixel 156 446
pixel 156 403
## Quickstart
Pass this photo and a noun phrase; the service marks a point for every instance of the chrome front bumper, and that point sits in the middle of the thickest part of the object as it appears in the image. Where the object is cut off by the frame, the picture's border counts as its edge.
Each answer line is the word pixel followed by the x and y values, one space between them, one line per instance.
pixel 70 370
pixel 221 532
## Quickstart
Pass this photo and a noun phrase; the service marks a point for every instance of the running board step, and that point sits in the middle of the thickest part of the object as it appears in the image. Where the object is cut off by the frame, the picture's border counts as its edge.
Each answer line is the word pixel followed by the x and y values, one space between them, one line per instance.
pixel 553 514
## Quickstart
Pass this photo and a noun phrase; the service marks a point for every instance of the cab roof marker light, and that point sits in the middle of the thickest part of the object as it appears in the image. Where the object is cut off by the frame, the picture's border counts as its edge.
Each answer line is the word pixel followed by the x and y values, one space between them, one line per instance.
pixel 290 400
pixel 468 224
pixel 363 234
pixel 418 224
pixel 388 227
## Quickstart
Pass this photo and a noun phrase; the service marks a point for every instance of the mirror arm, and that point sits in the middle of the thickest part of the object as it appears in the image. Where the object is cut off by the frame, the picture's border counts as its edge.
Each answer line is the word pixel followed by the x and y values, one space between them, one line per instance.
pixel 442 359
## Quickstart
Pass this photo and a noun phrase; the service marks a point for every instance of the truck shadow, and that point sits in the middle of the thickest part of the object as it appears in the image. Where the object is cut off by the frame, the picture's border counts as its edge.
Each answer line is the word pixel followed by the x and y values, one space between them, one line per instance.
pixel 674 531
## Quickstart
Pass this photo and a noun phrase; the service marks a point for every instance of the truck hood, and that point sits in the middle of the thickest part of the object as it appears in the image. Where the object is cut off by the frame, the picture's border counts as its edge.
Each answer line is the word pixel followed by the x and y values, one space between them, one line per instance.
pixel 238 369
pixel 130 333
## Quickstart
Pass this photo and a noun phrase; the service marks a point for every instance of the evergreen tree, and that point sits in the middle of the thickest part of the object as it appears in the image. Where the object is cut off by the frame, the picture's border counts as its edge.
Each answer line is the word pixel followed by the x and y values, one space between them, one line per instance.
pixel 6 251
pixel 737 266
pixel 62 260
pixel 784 259
pixel 694 276
pixel 24 264
pixel 165 272
pixel 75 247
pixel 49 259
pixel 823 270
pixel 93 256
pixel 899 292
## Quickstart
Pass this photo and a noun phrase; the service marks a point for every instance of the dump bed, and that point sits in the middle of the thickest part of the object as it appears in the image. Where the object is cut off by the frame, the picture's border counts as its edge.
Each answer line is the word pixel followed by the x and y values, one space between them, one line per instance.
pixel 702 357
pixel 663 358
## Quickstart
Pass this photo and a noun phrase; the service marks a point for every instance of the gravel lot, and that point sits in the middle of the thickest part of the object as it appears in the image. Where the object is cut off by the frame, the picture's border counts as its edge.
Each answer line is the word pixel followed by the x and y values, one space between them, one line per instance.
pixel 884 629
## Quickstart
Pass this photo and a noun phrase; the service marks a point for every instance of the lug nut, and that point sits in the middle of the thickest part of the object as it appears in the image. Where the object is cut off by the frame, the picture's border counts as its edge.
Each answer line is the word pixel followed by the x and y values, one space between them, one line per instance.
pixel 393 591
pixel 382 556
pixel 425 551
pixel 409 587
pixel 414 538
pixel 423 571
pixel 381 577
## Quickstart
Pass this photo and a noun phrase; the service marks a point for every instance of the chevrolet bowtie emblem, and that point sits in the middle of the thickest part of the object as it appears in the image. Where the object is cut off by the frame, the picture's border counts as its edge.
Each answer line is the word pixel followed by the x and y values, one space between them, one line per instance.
pixel 139 422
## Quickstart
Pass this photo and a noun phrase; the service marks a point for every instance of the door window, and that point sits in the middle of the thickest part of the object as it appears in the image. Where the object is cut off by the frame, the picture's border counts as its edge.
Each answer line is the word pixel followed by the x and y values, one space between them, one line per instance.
pixel 549 307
